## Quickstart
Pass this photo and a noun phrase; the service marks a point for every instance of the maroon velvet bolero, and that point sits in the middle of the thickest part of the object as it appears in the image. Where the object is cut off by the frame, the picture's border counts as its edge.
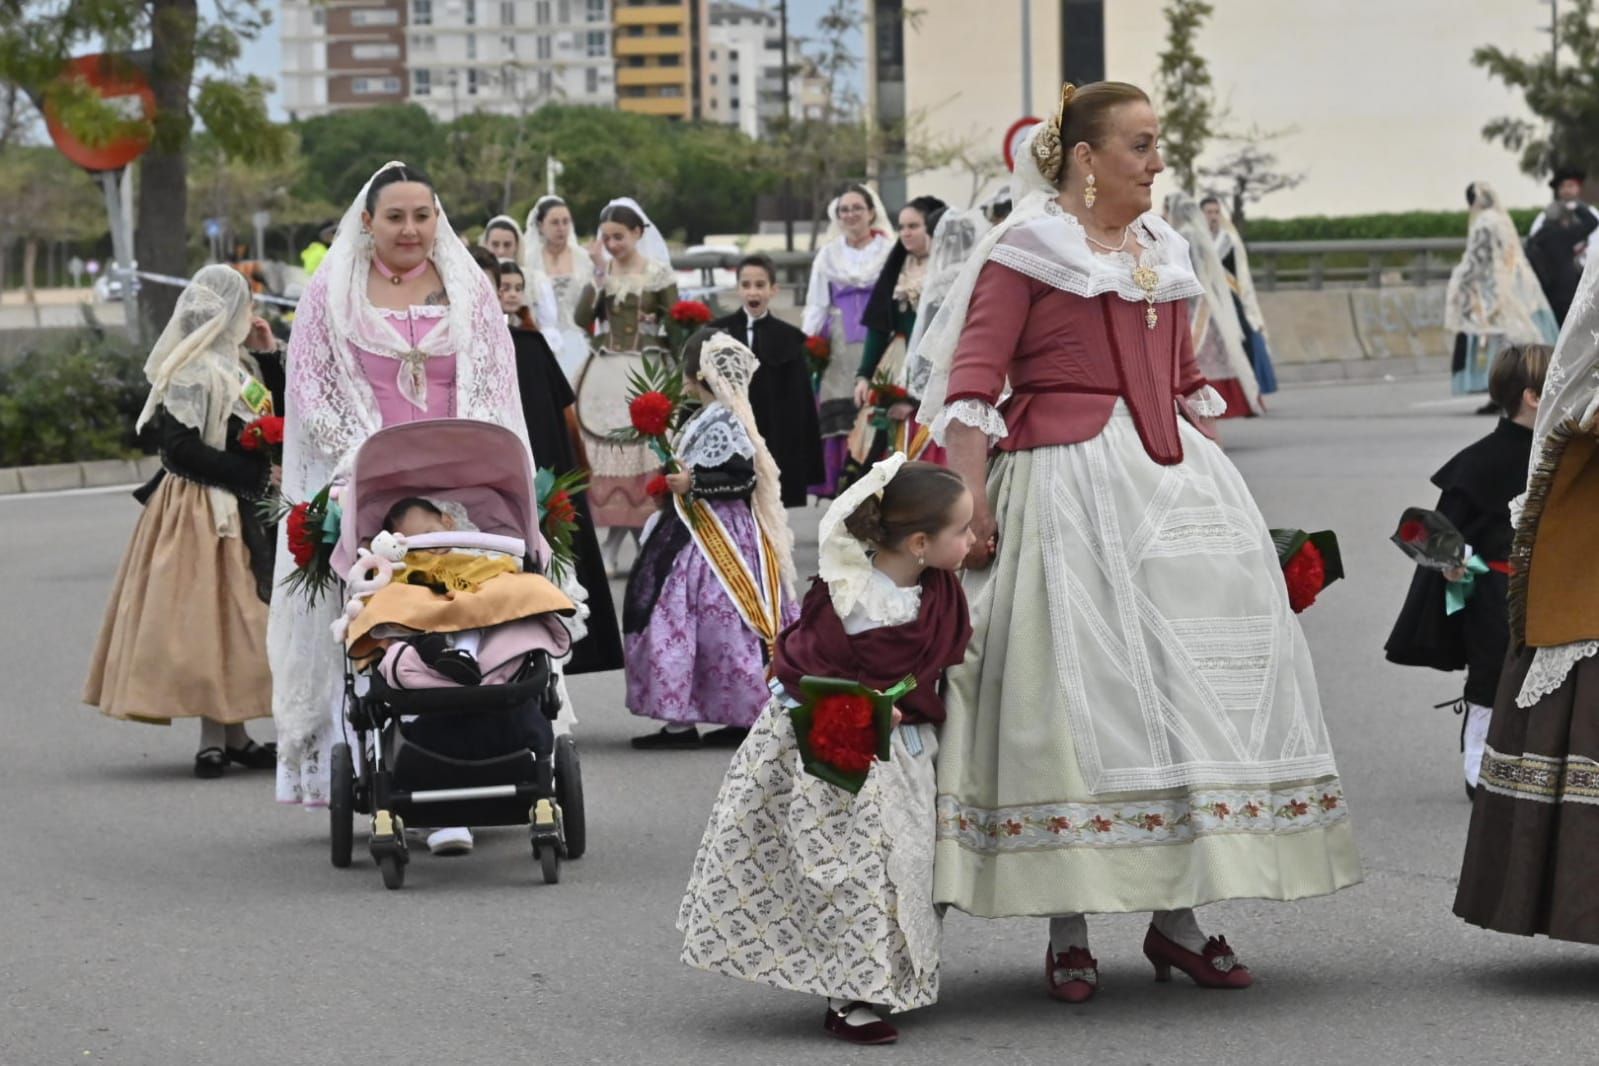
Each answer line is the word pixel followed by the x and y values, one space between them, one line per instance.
pixel 1069 357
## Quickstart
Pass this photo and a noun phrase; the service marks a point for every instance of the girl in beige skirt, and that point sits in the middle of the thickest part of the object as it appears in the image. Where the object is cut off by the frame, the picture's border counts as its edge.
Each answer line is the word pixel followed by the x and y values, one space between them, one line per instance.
pixel 184 634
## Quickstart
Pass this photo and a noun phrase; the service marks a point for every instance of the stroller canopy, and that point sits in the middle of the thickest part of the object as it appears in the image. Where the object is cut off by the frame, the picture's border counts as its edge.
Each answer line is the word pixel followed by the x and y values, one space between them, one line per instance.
pixel 483 467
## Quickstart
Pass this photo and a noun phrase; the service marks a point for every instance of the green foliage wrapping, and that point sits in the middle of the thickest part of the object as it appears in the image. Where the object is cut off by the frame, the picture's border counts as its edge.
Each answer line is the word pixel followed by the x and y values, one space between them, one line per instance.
pixel 74 399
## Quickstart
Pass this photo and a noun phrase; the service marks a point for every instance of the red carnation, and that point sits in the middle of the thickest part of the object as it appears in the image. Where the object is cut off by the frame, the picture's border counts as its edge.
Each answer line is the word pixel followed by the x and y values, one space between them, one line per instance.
pixel 690 313
pixel 302 539
pixel 1413 532
pixel 819 347
pixel 264 432
pixel 1306 574
pixel 656 486
pixel 843 732
pixel 560 507
pixel 650 413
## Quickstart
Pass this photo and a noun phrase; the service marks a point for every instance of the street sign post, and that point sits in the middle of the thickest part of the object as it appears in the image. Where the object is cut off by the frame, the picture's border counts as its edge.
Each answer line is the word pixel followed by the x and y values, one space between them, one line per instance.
pixel 1013 139
pixel 260 220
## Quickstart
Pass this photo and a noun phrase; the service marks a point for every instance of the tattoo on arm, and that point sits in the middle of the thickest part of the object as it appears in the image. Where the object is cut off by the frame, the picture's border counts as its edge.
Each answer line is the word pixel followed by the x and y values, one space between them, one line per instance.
pixel 436 298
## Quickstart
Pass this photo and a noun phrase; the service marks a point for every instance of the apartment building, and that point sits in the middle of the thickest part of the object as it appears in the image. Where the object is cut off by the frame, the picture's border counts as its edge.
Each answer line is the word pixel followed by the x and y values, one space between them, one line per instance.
pixel 450 56
pixel 662 53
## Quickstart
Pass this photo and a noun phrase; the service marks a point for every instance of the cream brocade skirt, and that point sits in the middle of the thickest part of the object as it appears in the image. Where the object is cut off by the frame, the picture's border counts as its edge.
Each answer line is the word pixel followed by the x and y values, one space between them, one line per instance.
pixel 1170 749
pixel 184 634
pixel 801 885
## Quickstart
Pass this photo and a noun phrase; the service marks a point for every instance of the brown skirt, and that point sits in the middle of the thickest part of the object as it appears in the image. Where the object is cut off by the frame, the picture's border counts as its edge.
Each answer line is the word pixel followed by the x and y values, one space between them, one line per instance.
pixel 1534 838
pixel 184 635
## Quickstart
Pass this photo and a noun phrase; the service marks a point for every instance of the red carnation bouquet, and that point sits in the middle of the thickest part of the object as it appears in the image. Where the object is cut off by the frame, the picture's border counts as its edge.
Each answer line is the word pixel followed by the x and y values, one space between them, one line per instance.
pixel 558 516
pixel 682 320
pixel 1310 562
pixel 1430 540
pixel 820 351
pixel 312 530
pixel 654 409
pixel 265 434
pixel 885 396
pixel 842 727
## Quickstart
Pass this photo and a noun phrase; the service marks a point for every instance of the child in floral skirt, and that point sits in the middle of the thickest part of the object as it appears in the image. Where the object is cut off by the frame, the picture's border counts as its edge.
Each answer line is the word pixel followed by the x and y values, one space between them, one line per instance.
pixel 798 882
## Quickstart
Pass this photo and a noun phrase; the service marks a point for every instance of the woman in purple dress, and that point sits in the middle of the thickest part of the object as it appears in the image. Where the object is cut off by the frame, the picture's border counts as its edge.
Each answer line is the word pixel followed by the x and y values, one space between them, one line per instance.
pixel 714 582
pixel 399 325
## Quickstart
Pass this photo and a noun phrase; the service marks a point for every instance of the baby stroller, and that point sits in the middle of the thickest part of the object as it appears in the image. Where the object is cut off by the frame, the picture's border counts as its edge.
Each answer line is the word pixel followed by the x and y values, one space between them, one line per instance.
pixel 395 780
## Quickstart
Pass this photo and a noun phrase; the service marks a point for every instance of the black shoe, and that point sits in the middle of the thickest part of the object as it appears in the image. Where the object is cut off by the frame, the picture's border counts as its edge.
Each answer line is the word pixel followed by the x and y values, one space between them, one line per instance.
pixel 209 763
pixel 459 666
pixel 730 736
pixel 253 756
pixel 667 740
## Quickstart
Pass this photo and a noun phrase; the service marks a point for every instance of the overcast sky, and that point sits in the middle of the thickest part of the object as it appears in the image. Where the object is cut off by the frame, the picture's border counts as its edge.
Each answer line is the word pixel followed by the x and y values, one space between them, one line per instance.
pixel 261 56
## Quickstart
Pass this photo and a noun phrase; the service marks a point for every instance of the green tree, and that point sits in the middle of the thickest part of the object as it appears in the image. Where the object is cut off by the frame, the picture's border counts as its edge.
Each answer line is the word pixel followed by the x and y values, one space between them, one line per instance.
pixel 1559 88
pixel 170 42
pixel 1251 171
pixel 43 197
pixel 1183 86
pixel 343 148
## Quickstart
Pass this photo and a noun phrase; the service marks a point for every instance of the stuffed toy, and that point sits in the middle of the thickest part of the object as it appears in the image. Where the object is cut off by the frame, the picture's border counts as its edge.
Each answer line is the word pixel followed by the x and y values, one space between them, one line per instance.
pixel 371 572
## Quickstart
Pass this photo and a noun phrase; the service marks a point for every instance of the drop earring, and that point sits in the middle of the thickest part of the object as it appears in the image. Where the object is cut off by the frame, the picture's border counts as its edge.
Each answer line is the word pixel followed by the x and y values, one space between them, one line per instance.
pixel 1089 194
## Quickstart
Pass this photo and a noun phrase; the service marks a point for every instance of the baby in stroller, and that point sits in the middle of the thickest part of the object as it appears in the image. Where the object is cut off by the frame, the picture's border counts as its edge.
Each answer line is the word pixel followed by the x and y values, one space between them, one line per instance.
pixel 457 633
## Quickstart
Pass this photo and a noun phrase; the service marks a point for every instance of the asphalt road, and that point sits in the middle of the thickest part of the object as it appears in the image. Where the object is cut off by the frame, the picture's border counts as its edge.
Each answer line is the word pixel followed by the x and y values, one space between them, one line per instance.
pixel 155 919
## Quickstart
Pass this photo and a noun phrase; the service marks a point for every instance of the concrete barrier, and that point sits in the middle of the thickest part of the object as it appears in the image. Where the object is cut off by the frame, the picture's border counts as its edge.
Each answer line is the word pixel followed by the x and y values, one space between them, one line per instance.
pixel 51 478
pixel 106 472
pixel 99 474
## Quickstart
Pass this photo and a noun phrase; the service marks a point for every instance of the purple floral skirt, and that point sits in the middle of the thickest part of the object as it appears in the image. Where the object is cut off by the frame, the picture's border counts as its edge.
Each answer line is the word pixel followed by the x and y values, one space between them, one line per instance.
pixel 690 657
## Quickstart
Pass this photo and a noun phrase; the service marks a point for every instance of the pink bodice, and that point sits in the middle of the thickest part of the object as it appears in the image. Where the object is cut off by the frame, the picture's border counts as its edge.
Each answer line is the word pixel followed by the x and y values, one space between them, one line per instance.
pixel 383 373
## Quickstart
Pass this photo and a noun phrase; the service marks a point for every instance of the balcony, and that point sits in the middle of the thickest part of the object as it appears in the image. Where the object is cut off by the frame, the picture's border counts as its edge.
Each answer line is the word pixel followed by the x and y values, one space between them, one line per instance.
pixel 652 76
pixel 651 46
pixel 652 15
pixel 661 106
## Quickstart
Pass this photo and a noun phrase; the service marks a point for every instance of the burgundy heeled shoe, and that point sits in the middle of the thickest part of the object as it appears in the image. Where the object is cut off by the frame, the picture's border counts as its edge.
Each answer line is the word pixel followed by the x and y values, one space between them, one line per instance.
pixel 836 1022
pixel 1216 967
pixel 1073 974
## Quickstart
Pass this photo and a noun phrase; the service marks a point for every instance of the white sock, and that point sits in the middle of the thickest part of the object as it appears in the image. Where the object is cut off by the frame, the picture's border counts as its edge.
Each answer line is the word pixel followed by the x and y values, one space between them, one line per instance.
pixel 212 734
pixel 1068 931
pixel 1476 739
pixel 861 1015
pixel 1180 927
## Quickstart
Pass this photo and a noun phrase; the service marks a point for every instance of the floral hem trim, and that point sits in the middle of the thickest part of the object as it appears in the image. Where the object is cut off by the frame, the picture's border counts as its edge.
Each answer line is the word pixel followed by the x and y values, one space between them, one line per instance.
pixel 1171 821
pixel 1541 778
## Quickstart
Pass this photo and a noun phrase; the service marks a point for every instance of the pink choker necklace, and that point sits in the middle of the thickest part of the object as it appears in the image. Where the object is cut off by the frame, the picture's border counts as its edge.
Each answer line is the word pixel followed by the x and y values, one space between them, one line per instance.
pixel 395 276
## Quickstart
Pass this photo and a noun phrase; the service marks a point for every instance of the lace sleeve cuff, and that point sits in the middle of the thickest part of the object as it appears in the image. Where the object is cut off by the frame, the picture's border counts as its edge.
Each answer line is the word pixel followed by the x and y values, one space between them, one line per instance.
pixel 1206 402
pixel 971 412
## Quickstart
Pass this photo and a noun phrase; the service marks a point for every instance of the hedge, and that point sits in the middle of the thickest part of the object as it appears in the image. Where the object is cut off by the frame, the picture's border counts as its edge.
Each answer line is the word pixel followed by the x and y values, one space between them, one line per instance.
pixel 1373 227
pixel 72 399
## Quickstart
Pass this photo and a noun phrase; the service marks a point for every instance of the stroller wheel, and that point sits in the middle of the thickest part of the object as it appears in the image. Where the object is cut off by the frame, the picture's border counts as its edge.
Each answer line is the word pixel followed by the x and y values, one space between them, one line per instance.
pixel 392 867
pixel 550 864
pixel 341 805
pixel 569 794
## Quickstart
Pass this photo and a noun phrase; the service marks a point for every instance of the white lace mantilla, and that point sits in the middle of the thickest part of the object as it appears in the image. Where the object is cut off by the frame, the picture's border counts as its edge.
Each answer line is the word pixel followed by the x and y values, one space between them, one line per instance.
pixel 713 437
pixel 971 412
pixel 1549 669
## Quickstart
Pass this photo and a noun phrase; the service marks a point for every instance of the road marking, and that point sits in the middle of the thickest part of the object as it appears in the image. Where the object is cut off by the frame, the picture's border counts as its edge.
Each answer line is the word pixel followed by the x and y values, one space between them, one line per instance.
pixel 58 493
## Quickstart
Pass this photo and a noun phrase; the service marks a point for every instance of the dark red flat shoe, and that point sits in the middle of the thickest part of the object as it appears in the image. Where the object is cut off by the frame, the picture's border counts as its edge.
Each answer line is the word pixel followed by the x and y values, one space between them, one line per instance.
pixel 1073 974
pixel 875 1032
pixel 1216 967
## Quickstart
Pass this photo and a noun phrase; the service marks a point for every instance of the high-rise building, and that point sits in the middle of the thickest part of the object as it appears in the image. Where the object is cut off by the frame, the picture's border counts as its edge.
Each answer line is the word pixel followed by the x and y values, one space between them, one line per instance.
pixel 450 56
pixel 661 56
pixel 744 69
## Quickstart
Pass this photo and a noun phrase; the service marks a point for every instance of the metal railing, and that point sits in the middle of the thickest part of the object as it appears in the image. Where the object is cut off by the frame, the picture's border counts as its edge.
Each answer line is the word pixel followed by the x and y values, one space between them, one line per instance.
pixel 1371 264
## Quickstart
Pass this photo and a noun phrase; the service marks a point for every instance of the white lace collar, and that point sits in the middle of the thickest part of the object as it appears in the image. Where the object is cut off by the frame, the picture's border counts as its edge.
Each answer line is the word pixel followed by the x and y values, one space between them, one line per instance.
pixel 1053 248
pixel 882 603
pixel 853 267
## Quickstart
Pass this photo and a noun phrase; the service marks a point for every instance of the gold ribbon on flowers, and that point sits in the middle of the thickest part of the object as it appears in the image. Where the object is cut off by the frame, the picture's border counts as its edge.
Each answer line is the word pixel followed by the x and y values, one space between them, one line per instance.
pixel 758 597
pixel 912 444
